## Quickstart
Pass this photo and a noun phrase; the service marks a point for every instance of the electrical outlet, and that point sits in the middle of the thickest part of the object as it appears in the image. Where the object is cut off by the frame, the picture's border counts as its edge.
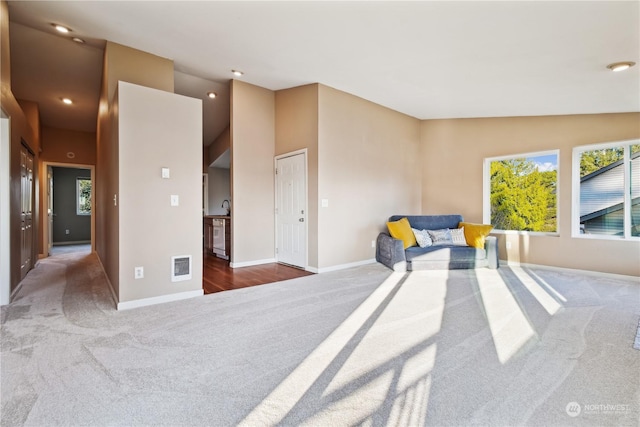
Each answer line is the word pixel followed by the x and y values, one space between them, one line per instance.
pixel 138 273
pixel 508 244
pixel 175 200
pixel 66 231
pixel 373 243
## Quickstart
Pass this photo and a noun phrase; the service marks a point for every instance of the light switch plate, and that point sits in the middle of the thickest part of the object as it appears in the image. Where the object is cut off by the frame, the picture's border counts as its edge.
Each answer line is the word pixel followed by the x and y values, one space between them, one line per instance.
pixel 325 203
pixel 165 173
pixel 175 200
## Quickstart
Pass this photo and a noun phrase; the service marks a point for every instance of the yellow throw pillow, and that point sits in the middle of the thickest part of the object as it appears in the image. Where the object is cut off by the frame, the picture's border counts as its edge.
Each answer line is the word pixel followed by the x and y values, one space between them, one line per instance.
pixel 475 233
pixel 401 230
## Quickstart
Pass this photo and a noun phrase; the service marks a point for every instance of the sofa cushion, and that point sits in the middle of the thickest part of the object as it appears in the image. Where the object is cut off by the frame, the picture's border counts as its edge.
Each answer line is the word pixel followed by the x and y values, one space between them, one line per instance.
pixel 445 253
pixel 430 222
pixel 422 237
pixel 475 233
pixel 440 237
pixel 457 237
pixel 401 230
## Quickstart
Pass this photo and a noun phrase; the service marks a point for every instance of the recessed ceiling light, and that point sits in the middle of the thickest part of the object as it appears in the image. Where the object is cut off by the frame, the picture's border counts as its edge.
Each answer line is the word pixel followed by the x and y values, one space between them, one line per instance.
pixel 212 94
pixel 237 72
pixel 61 28
pixel 78 40
pixel 67 101
pixel 621 66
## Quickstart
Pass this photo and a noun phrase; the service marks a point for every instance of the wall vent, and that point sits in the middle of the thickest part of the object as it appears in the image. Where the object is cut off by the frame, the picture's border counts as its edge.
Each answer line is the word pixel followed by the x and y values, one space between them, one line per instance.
pixel 180 268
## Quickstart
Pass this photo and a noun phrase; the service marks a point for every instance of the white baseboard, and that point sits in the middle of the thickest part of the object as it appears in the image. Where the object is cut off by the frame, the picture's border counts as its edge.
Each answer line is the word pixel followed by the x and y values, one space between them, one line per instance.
pixel 13 294
pixel 146 301
pixel 569 270
pixel 250 263
pixel 72 242
pixel 341 266
pixel 159 299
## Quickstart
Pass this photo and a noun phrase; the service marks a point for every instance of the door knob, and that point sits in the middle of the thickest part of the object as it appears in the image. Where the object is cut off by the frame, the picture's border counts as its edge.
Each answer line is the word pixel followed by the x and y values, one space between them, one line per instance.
pixel 301 220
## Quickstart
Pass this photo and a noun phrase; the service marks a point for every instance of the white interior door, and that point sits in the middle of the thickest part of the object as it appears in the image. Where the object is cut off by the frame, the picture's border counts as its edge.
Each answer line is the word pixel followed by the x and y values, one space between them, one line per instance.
pixel 291 210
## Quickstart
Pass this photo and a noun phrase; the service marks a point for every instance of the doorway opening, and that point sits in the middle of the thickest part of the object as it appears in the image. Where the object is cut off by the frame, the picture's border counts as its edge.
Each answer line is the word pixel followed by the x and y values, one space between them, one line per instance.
pixel 69 224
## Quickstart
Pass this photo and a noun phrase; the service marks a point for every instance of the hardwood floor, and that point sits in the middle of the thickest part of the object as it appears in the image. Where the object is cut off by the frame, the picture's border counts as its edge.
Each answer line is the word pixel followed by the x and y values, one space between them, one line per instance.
pixel 217 276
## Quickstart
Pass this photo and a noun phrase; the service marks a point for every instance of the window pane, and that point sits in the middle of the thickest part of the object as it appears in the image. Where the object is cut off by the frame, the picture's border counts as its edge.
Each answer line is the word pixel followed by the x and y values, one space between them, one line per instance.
pixel 602 191
pixel 84 196
pixel 523 193
pixel 635 190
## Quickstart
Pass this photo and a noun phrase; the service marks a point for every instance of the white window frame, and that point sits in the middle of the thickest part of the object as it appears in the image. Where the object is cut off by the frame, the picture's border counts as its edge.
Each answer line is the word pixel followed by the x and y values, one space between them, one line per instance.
pixel 78 212
pixel 575 189
pixel 486 192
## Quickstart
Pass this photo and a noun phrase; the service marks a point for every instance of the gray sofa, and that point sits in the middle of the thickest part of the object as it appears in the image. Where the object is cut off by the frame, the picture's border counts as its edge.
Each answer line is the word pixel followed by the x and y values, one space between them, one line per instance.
pixel 391 252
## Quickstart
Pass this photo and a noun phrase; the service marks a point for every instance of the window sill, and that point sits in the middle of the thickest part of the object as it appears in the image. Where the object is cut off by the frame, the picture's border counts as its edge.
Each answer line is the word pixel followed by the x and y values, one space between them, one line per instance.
pixel 527 233
pixel 606 237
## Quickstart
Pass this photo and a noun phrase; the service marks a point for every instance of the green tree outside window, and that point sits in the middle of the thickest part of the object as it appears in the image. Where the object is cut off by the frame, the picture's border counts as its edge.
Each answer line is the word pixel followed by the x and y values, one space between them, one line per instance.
pixel 83 196
pixel 523 197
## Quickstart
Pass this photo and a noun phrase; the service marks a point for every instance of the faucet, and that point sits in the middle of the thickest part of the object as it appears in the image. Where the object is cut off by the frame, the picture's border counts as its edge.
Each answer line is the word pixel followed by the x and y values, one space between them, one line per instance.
pixel 228 206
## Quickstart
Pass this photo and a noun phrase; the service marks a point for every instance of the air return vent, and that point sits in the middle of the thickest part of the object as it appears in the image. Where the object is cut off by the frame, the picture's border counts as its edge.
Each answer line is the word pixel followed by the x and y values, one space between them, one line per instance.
pixel 180 268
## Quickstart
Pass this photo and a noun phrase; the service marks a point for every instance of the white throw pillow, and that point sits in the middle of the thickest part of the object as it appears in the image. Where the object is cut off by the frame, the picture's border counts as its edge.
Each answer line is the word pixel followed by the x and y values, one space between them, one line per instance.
pixel 457 236
pixel 440 237
pixel 422 237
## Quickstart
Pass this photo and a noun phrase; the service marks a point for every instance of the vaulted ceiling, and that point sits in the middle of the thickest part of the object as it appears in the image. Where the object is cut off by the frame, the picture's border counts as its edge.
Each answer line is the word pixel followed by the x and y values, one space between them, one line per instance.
pixel 425 59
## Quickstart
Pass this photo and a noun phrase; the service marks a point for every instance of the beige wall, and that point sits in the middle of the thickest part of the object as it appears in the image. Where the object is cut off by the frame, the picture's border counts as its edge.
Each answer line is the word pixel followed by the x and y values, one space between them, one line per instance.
pixel 252 179
pixel 296 129
pixel 361 156
pixel 221 144
pixel 57 143
pixel 106 182
pixel 21 128
pixel 158 129
pixel 368 169
pixel 452 155
pixel 133 66
pixel 32 113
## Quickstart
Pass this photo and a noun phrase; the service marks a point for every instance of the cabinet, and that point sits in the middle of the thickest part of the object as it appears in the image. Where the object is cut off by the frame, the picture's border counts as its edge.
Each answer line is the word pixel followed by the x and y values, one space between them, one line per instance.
pixel 217 235
pixel 208 235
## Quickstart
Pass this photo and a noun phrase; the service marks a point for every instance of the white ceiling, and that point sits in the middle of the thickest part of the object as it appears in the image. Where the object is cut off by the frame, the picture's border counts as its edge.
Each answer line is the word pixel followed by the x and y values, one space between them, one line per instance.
pixel 426 59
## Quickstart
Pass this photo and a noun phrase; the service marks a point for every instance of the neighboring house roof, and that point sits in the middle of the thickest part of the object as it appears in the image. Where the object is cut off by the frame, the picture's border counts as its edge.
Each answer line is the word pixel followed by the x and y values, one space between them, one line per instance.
pixel 608 210
pixel 602 191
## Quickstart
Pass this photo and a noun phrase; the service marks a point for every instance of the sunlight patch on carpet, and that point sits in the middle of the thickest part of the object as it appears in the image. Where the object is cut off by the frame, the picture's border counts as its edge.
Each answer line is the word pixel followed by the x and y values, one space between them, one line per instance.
pixel 558 296
pixel 546 301
pixel 285 396
pixel 508 324
pixel 414 386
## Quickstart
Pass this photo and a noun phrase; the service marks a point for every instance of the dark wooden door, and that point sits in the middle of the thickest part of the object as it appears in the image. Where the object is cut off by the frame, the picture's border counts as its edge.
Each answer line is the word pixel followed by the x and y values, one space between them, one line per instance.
pixel 26 214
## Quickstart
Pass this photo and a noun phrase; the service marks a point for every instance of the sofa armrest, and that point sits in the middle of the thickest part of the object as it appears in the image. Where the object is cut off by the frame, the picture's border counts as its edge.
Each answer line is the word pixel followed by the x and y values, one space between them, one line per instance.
pixel 491 247
pixel 390 252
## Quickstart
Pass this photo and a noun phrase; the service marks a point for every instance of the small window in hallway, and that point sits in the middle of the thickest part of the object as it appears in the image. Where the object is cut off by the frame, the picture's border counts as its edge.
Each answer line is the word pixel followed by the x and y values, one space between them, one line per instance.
pixel 83 196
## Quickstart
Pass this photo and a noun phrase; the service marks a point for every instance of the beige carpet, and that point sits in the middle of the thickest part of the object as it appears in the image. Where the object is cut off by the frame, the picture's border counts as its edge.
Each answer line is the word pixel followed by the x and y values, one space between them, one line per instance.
pixel 363 346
